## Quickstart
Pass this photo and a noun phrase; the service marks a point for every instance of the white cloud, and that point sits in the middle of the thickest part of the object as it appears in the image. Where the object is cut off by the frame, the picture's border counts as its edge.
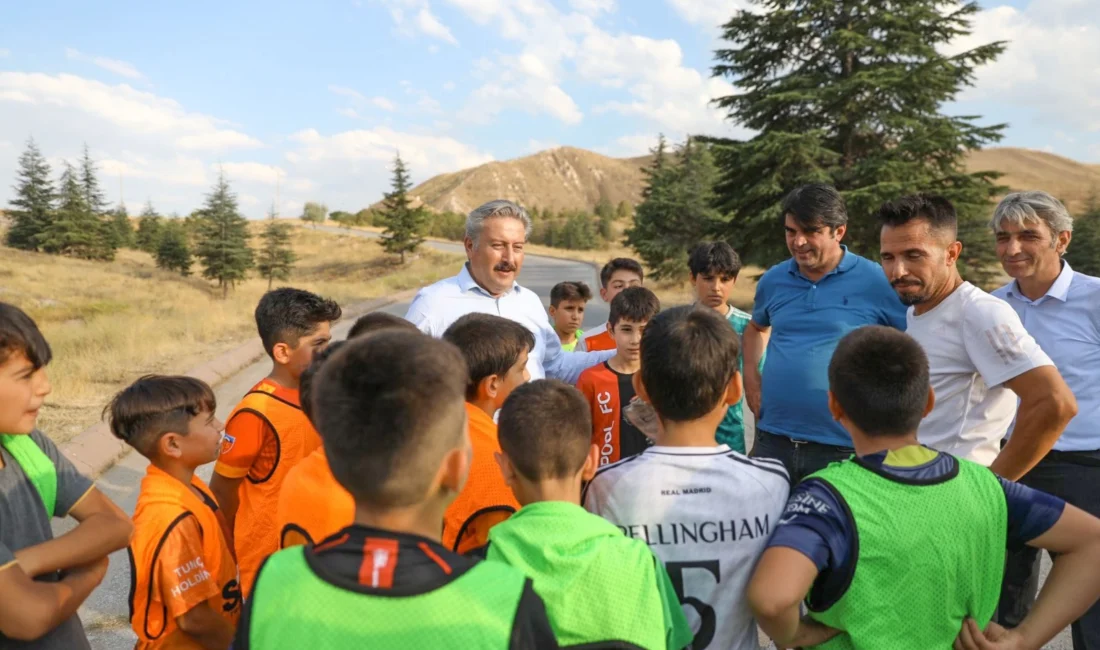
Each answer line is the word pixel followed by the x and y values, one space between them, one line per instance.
pixel 121 68
pixel 449 86
pixel 1051 64
pixel 250 171
pixel 708 13
pixel 360 101
pixel 534 146
pixel 596 7
pixel 429 24
pixel 412 16
pixel 383 103
pixel 180 170
pixel 4 53
pixel 123 107
pixel 637 144
pixel 348 112
pixel 530 96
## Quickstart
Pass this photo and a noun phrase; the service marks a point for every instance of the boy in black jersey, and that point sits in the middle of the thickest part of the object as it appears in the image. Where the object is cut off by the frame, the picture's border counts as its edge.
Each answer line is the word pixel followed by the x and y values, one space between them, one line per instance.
pixel 390 409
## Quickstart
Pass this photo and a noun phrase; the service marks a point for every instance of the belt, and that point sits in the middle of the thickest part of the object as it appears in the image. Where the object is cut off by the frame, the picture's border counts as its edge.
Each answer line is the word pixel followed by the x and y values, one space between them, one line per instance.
pixel 799 443
pixel 1089 458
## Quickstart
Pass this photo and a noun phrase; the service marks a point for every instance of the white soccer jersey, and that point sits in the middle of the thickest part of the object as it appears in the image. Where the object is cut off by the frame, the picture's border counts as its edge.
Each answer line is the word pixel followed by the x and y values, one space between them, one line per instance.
pixel 707 513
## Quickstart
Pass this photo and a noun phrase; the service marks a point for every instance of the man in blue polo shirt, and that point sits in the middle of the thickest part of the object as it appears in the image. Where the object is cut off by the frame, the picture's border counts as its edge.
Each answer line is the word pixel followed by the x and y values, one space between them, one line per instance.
pixel 803 308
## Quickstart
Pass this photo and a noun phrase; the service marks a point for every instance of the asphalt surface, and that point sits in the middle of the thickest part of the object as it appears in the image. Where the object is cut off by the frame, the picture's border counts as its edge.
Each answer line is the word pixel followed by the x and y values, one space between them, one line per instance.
pixel 105 612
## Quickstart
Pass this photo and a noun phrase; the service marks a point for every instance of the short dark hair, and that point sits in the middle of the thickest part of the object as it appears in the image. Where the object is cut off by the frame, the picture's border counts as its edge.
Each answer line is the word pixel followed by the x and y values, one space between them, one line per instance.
pixel 378 320
pixel 389 408
pixel 936 210
pixel 545 427
pixel 490 344
pixel 19 333
pixel 154 405
pixel 880 377
pixel 286 315
pixel 689 356
pixel 569 291
pixel 636 304
pixel 717 257
pixel 815 204
pixel 620 264
pixel 305 382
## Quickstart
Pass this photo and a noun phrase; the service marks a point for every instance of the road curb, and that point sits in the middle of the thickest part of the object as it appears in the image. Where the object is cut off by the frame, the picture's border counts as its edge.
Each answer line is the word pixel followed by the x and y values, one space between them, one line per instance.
pixel 95 450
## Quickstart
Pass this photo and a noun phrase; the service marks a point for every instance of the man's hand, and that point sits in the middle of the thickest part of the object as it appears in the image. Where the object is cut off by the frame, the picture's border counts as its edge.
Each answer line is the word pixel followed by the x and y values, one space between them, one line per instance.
pixel 995 637
pixel 753 390
pixel 755 341
pixel 810 633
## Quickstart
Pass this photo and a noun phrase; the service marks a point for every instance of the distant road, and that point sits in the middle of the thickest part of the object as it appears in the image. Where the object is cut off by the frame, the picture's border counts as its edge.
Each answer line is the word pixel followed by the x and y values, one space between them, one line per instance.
pixel 104 614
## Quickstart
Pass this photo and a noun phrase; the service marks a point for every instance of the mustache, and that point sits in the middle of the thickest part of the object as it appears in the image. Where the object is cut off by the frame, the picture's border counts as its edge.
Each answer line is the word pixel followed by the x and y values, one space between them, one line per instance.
pixel 906 282
pixel 505 267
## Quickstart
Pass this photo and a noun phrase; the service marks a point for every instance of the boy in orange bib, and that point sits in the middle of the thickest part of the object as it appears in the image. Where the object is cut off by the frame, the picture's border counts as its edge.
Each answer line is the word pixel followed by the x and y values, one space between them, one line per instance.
pixel 267 433
pixel 312 505
pixel 186 594
pixel 496 352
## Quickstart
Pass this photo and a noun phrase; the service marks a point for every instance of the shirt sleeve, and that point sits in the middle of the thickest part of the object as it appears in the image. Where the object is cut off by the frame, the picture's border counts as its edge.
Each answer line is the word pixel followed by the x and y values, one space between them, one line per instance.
pixel 244 439
pixel 418 315
pixel 531 629
pixel 1030 512
pixel 678 632
pixel 814 523
pixel 567 366
pixel 760 303
pixel 181 571
pixel 71 484
pixel 7 558
pixel 997 343
pixel 592 497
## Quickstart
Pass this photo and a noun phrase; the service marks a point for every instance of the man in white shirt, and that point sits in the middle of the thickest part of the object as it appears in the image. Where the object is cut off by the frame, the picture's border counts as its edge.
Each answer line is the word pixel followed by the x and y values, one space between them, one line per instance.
pixel 978 350
pixel 705 510
pixel 495 237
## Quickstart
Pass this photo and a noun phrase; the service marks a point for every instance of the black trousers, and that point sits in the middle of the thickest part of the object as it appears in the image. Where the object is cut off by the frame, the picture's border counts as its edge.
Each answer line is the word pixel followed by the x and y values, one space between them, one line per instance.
pixel 1074 477
pixel 800 458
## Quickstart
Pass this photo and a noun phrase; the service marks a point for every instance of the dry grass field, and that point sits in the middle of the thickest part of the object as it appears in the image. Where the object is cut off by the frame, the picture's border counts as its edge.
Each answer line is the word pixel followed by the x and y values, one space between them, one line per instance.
pixel 109 323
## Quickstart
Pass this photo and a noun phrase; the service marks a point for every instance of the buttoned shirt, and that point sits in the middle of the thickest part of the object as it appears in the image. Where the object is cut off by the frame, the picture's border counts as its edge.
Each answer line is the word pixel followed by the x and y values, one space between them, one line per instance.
pixel 439 305
pixel 1066 323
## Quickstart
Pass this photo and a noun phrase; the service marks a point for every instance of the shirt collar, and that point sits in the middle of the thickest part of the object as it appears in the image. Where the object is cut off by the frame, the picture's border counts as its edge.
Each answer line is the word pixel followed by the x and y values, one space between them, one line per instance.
pixel 467 283
pixel 846 263
pixel 1059 290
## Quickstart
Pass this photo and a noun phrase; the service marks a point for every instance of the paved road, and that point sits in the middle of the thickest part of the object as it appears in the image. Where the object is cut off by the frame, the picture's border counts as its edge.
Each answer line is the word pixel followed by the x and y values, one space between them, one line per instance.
pixel 104 614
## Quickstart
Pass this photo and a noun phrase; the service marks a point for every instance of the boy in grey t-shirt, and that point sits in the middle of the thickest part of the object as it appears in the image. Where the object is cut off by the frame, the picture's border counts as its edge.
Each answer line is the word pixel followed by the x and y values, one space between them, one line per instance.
pixel 43 580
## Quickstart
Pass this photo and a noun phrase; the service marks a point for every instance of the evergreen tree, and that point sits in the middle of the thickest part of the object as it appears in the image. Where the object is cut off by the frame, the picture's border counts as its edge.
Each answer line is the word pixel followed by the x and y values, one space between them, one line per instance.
pixel 1083 253
pixel 89 185
pixel 75 230
pixel 403 223
pixel 150 228
pixel 223 238
pixel 605 213
pixel 678 209
pixel 276 258
pixel 34 200
pixel 121 231
pixel 850 92
pixel 173 248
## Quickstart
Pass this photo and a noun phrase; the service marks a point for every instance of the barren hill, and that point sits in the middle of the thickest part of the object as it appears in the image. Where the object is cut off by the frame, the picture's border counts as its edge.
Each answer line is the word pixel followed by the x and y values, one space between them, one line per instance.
pixel 571 178
pixel 563 178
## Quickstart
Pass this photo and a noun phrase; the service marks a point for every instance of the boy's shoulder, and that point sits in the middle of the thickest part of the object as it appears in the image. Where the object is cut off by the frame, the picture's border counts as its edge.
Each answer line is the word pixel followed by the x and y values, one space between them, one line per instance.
pixel 595 373
pixel 738 318
pixel 768 471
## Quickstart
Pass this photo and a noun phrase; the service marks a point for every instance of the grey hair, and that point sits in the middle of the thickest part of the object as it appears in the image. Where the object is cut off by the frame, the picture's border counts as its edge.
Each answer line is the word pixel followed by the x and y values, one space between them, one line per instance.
pixel 1035 206
pixel 493 210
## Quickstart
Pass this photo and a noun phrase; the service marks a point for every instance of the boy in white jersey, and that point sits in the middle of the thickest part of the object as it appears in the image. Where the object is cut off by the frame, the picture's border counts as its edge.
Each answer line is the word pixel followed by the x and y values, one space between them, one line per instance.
pixel 705 510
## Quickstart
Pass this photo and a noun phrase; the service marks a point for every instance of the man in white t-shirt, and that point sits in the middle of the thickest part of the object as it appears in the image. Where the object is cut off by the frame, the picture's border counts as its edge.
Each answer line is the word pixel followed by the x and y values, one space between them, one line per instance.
pixel 705 510
pixel 981 356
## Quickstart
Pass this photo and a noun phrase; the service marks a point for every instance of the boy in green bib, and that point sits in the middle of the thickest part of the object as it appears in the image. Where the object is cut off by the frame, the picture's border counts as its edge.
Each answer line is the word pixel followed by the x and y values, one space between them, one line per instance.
pixel 903 547
pixel 602 589
pixel 43 580
pixel 390 408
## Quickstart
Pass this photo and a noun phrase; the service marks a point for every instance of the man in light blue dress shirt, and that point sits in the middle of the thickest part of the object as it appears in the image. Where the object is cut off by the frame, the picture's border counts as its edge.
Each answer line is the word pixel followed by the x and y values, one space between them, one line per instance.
pixel 495 237
pixel 1060 309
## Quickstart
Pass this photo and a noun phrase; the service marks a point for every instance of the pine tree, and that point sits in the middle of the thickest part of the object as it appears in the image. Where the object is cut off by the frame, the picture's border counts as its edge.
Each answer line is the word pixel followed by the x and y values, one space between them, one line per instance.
pixel 403 223
pixel 33 202
pixel 149 230
pixel 850 92
pixel 678 209
pixel 223 238
pixel 121 231
pixel 605 213
pixel 276 258
pixel 89 185
pixel 173 248
pixel 1083 253
pixel 75 230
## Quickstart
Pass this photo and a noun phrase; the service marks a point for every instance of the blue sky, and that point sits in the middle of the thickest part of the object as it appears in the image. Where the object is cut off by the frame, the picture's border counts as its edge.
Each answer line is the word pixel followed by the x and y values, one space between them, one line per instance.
pixel 322 95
